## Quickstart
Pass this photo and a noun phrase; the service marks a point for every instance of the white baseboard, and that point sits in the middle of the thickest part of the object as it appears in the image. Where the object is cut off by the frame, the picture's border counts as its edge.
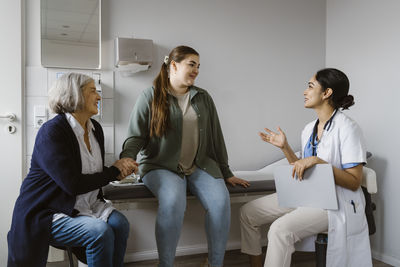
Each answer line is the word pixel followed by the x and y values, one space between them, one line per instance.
pixel 180 251
pixel 385 258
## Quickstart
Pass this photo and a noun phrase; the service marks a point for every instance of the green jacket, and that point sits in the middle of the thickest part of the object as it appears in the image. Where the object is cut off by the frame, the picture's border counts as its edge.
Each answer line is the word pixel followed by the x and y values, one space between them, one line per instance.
pixel 164 152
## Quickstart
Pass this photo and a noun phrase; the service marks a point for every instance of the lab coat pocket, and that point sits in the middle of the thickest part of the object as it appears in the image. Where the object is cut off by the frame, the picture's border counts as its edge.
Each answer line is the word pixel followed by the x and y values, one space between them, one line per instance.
pixel 355 217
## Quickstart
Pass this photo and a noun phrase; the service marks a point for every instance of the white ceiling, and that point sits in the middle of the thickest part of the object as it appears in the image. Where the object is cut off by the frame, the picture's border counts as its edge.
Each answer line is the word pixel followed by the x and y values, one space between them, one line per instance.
pixel 70 20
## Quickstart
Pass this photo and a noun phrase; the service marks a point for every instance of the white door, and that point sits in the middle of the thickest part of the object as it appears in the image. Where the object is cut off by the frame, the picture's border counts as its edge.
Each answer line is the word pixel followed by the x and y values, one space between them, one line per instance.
pixel 11 81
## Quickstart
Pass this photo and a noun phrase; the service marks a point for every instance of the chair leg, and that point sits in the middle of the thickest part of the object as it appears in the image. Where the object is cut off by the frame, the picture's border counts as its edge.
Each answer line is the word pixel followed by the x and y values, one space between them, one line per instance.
pixel 70 258
pixel 321 245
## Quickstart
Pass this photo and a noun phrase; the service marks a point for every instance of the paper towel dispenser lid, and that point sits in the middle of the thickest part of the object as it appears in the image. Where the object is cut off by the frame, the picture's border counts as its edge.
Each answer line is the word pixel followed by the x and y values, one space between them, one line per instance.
pixel 130 50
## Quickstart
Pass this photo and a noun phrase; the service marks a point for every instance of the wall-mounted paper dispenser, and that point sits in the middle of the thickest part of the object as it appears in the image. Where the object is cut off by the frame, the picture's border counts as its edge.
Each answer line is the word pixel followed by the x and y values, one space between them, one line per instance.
pixel 133 55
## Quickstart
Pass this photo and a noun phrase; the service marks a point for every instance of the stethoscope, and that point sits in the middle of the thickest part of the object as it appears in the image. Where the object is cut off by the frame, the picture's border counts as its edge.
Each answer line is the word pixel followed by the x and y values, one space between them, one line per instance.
pixel 313 142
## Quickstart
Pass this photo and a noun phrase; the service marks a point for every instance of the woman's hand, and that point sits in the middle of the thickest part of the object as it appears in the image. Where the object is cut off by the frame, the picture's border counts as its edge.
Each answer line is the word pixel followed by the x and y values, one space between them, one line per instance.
pixel 299 166
pixel 277 139
pixel 126 166
pixel 237 181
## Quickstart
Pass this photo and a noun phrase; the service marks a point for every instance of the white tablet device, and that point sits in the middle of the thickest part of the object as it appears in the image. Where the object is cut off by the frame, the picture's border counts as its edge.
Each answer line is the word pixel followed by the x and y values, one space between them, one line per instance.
pixel 317 189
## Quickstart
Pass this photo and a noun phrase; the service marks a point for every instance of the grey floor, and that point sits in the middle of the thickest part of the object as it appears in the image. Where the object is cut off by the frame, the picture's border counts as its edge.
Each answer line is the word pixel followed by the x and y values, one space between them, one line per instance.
pixel 233 258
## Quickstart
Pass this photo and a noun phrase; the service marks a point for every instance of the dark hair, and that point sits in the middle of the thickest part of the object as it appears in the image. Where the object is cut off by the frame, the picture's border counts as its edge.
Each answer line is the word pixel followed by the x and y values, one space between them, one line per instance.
pixel 160 107
pixel 339 83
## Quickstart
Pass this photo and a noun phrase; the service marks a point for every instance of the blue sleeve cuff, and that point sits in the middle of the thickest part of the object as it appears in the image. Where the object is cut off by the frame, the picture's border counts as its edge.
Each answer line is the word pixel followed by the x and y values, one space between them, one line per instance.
pixel 350 165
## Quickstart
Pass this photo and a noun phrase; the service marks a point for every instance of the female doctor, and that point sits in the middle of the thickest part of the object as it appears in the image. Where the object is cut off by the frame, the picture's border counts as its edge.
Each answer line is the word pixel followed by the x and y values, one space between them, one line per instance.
pixel 332 138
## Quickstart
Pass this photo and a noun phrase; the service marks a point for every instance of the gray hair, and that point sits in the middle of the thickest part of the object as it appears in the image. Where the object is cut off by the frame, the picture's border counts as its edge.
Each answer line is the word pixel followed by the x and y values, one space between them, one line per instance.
pixel 66 93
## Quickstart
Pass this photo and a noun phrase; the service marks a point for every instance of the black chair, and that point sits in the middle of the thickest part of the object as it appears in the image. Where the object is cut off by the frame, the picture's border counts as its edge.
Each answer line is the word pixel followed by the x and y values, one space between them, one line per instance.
pixel 70 258
pixel 80 253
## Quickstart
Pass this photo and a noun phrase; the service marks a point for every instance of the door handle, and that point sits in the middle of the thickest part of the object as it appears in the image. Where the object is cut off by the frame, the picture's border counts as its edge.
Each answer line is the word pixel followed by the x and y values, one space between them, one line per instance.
pixel 9 116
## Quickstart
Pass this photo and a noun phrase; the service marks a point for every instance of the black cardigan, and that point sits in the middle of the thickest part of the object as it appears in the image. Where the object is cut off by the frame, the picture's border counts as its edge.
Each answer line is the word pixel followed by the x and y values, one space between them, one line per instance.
pixel 51 186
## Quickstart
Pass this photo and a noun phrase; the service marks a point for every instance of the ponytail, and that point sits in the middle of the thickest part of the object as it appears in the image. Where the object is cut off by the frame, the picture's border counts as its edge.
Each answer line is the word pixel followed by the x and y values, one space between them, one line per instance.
pixel 160 107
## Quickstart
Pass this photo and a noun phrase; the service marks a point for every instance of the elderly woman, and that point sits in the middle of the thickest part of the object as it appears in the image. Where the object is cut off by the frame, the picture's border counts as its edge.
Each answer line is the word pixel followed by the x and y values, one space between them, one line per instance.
pixel 60 201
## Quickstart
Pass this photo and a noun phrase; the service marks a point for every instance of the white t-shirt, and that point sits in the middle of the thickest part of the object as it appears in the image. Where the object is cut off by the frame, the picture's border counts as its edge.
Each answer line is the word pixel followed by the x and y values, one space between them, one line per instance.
pixel 88 204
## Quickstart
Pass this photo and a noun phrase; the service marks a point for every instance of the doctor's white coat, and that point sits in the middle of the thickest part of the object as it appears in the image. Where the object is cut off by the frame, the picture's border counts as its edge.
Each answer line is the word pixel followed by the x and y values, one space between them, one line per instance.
pixel 348 237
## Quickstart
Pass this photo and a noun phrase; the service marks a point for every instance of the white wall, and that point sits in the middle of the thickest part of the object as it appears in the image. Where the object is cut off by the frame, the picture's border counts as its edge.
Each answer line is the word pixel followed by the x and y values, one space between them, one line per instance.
pixel 256 57
pixel 363 39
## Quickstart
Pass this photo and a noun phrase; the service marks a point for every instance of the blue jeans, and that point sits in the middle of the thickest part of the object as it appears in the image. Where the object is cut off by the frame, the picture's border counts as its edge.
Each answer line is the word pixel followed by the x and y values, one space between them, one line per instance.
pixel 170 190
pixel 105 242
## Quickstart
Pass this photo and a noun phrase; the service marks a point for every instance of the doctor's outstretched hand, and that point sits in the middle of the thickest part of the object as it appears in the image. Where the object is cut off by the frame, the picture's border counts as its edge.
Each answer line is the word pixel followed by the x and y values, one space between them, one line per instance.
pixel 277 139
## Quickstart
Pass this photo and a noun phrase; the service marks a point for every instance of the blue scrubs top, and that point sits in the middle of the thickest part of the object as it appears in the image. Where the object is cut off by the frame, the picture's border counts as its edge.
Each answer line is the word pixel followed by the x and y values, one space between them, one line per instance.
pixel 311 150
